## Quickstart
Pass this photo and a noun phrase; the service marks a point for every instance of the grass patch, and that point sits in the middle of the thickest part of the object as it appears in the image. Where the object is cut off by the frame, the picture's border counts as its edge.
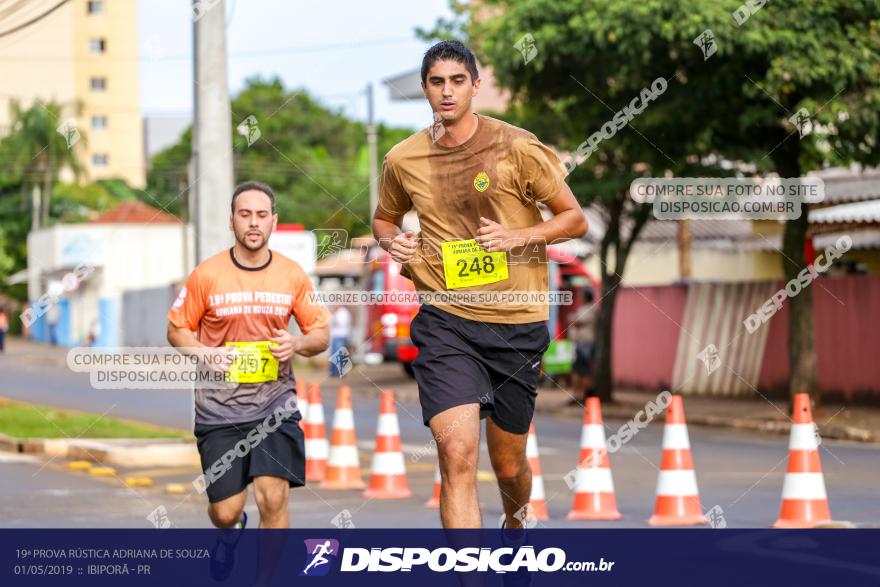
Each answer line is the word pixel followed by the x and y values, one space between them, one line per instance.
pixel 23 420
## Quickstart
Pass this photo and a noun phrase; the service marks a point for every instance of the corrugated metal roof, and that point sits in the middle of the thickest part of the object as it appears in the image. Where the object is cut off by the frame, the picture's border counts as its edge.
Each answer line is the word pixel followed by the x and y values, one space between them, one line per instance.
pixel 861 239
pixel 852 189
pixel 854 212
pixel 700 229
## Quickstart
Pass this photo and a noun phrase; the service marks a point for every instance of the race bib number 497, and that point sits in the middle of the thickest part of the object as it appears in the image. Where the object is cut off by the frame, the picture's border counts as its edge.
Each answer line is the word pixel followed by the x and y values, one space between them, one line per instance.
pixel 253 363
pixel 466 263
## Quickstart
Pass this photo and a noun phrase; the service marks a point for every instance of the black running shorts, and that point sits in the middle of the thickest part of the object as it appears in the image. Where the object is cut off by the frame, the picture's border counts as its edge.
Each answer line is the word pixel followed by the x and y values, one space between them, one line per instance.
pixel 233 454
pixel 463 361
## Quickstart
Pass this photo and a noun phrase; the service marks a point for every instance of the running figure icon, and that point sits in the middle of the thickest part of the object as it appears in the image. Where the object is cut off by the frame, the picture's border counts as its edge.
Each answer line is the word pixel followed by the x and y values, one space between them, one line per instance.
pixel 319 552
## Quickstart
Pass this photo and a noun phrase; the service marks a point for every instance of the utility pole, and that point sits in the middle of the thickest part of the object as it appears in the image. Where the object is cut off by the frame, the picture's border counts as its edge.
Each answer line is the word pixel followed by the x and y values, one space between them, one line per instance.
pixel 212 130
pixel 372 151
pixel 684 249
pixel 35 207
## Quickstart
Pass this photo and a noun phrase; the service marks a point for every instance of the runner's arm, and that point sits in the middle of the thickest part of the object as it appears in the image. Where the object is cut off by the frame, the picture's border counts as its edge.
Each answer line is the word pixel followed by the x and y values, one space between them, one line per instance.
pixel 314 342
pixel 568 222
pixel 386 230
pixel 182 337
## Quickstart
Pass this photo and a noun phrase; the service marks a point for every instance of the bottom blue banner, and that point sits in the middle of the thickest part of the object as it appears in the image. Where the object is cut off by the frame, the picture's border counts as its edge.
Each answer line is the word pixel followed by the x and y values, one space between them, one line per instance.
pixel 438 557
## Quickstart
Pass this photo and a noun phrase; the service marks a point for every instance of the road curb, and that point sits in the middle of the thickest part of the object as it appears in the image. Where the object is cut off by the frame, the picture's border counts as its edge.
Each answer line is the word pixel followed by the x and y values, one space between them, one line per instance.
pixel 627 411
pixel 110 452
pixel 779 427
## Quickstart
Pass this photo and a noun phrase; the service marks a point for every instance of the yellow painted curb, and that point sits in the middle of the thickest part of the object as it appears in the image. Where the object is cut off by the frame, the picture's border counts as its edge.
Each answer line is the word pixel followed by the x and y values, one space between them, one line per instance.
pixel 102 471
pixel 485 476
pixel 79 465
pixel 175 488
pixel 138 481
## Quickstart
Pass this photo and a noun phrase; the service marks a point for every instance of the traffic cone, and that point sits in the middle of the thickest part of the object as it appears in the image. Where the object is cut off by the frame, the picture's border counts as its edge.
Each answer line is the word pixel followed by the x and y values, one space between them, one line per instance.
pixel 678 500
pixel 538 500
pixel 388 478
pixel 316 437
pixel 594 497
pixel 434 502
pixel 343 466
pixel 302 402
pixel 804 501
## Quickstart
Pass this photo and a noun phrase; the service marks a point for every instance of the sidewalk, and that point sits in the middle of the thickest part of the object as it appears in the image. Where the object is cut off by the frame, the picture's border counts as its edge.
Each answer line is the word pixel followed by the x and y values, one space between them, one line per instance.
pixel 838 421
pixel 21 351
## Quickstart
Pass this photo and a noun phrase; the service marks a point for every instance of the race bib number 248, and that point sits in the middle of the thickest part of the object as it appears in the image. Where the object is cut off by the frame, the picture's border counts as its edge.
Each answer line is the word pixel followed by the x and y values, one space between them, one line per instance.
pixel 466 263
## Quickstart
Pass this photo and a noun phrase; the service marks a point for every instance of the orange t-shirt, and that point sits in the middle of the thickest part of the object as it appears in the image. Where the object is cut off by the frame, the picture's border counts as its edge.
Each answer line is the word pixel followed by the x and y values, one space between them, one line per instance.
pixel 224 301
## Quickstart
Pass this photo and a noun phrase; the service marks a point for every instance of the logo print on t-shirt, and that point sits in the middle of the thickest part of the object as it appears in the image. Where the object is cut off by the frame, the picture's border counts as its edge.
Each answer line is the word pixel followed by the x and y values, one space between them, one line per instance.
pixel 180 297
pixel 481 182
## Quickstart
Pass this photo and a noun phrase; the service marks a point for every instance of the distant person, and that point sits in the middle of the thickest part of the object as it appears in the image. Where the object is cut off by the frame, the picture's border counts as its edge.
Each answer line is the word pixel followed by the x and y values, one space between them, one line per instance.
pixel 4 328
pixel 53 316
pixel 340 332
pixel 94 333
pixel 25 323
pixel 582 332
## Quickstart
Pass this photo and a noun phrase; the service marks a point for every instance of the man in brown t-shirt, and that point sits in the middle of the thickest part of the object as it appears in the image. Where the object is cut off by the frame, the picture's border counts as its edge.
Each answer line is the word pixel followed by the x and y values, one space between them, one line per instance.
pixel 475 183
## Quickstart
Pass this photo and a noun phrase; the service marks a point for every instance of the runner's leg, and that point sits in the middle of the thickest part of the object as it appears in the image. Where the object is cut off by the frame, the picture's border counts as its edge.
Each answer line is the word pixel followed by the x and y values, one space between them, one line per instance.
pixel 227 513
pixel 272 494
pixel 508 455
pixel 457 433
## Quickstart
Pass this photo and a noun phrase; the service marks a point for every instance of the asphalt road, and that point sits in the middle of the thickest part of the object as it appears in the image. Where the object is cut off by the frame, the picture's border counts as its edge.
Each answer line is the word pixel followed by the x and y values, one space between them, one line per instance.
pixel 742 472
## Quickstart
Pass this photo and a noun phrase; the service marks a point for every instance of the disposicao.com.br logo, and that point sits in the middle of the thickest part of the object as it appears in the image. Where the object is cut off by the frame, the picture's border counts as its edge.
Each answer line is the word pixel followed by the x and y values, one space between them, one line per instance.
pixel 441 560
pixel 318 551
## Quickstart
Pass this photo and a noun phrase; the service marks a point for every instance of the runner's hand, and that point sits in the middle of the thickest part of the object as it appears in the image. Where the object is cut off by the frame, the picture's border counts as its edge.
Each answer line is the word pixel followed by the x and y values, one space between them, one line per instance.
pixel 403 247
pixel 219 359
pixel 495 238
pixel 285 346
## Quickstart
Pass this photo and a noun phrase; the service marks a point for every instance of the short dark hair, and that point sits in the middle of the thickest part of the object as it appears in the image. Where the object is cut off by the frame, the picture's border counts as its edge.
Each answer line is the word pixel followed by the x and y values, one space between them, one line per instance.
pixel 253 185
pixel 450 51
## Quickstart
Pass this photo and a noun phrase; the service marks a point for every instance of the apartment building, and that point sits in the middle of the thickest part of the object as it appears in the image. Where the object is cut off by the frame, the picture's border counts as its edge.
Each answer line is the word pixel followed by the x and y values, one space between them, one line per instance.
pixel 82 54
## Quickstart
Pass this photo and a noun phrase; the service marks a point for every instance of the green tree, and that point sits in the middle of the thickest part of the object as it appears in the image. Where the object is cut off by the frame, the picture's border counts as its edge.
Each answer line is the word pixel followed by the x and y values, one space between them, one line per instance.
pixel 594 57
pixel 314 158
pixel 39 145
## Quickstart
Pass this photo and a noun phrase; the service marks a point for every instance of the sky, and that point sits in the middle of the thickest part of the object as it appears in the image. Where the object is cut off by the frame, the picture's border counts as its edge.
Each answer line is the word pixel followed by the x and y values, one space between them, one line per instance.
pixel 332 48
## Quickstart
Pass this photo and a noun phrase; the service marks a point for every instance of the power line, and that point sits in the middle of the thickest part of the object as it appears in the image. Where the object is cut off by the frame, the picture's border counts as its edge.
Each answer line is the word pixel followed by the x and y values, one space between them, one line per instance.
pixel 34 20
pixel 240 54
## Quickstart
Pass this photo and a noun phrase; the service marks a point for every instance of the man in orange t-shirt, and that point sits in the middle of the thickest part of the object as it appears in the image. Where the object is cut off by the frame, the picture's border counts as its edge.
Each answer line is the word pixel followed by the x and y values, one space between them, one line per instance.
pixel 242 299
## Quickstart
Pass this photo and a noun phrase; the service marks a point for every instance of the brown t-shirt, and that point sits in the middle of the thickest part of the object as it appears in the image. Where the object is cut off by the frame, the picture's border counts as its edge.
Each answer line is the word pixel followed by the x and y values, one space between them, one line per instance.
pixel 500 173
pixel 227 302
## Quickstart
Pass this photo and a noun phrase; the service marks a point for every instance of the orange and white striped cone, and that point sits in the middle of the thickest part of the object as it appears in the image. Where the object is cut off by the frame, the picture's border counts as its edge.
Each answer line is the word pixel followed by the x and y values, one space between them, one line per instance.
pixel 678 500
pixel 343 464
pixel 388 477
pixel 302 402
pixel 316 437
pixel 594 497
pixel 434 502
pixel 804 500
pixel 538 499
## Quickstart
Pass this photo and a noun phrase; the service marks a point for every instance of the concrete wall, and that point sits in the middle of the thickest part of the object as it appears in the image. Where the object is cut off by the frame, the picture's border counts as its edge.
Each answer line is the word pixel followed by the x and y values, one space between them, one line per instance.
pixel 144 321
pixel 648 325
pixel 124 257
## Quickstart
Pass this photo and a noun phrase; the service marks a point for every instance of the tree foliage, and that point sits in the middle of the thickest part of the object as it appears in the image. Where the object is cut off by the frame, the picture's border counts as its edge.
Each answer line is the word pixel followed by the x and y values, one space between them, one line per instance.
pixel 593 57
pixel 314 158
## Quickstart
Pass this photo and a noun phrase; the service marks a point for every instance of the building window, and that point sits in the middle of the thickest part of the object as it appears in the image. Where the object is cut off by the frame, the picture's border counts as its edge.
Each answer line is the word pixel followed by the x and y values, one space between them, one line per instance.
pixel 99 122
pixel 98 84
pixel 96 7
pixel 99 160
pixel 97 46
